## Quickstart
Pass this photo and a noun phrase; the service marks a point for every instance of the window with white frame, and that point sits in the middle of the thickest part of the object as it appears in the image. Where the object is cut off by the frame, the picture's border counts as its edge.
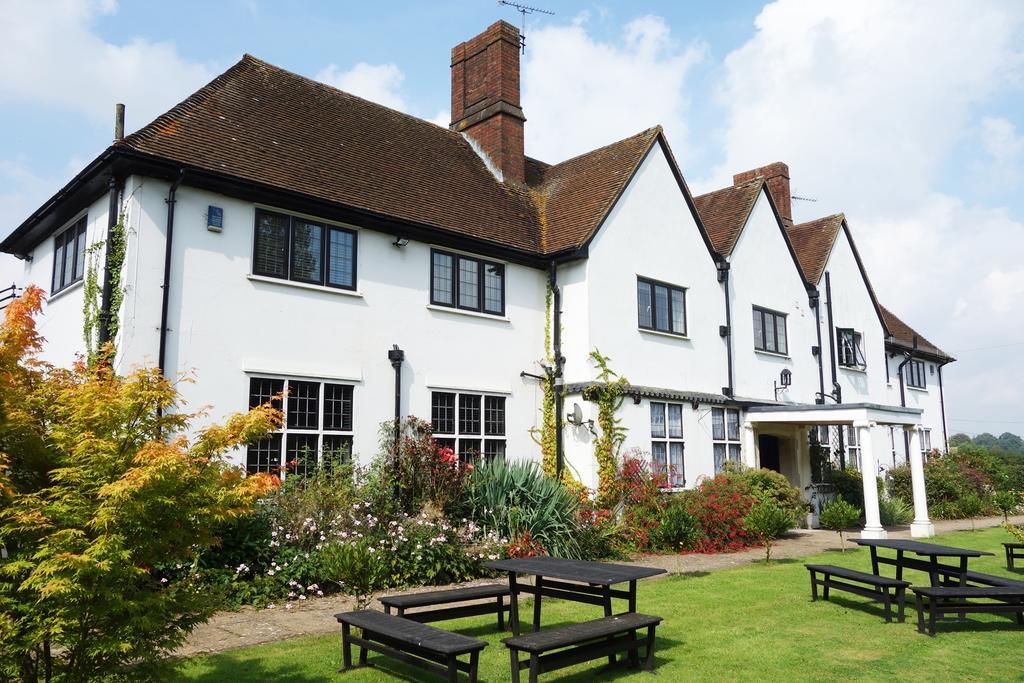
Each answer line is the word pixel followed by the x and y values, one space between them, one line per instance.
pixel 304 250
pixel 914 372
pixel 661 306
pixel 925 436
pixel 317 429
pixel 667 442
pixel 68 256
pixel 770 331
pixel 470 424
pixel 725 433
pixel 851 348
pixel 852 447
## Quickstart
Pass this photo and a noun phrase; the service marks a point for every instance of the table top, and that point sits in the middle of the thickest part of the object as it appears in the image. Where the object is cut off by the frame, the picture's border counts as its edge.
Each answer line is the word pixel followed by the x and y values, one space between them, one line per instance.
pixel 597 573
pixel 919 548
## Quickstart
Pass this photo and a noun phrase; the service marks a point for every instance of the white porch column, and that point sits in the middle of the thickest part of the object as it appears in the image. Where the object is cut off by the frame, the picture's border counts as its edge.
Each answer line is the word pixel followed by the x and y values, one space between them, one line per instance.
pixel 749 446
pixel 921 527
pixel 869 473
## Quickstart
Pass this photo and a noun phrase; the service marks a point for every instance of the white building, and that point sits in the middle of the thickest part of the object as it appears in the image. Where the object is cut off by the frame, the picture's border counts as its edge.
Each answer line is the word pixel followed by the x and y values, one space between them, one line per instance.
pixel 282 235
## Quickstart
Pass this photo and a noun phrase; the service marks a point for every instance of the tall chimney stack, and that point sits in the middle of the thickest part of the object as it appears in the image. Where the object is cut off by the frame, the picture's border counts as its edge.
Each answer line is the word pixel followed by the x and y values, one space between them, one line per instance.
pixel 485 97
pixel 118 122
pixel 776 176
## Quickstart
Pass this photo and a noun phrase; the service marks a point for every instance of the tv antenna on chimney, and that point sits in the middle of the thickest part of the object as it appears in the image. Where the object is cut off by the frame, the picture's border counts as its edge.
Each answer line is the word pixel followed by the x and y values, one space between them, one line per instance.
pixel 523 10
pixel 802 199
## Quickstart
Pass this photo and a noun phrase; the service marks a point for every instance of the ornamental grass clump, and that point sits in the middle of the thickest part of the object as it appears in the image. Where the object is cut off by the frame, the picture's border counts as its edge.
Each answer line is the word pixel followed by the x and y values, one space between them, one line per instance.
pixel 99 487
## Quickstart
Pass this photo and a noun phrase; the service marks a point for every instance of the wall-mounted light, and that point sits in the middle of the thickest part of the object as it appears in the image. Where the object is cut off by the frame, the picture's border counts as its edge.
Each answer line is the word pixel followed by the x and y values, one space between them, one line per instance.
pixel 401 242
pixel 785 380
pixel 575 417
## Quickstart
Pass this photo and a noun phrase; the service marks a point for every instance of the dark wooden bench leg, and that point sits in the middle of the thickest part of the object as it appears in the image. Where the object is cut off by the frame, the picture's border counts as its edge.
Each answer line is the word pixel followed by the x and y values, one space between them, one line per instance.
pixel 887 603
pixel 901 599
pixel 932 604
pixel 474 662
pixel 453 669
pixel 1009 558
pixel 649 655
pixel 608 612
pixel 920 613
pixel 513 604
pixel 514 656
pixel 362 656
pixel 501 612
pixel 814 586
pixel 538 584
pixel 534 667
pixel 346 648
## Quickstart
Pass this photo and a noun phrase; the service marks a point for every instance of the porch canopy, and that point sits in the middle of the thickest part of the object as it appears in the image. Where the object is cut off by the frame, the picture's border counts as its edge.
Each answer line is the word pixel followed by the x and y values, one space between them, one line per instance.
pixel 863 417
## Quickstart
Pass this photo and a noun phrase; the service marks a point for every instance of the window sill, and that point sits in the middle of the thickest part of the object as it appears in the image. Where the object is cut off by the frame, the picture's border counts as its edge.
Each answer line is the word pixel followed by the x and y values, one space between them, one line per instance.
pixel 672 489
pixel 471 314
pixel 923 390
pixel 305 285
pixel 773 354
pixel 659 333
pixel 67 290
pixel 853 368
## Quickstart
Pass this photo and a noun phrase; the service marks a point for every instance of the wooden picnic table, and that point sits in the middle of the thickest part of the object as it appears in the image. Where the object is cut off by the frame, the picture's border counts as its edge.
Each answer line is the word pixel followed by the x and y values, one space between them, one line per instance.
pixel 577 580
pixel 932 551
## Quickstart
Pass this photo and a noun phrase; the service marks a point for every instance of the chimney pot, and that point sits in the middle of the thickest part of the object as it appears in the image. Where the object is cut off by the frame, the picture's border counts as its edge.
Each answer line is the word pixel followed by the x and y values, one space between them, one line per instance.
pixel 485 97
pixel 776 177
pixel 118 122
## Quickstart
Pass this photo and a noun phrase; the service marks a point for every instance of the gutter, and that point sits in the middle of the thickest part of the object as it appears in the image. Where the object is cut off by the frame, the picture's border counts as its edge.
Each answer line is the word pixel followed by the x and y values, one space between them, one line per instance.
pixel 168 250
pixel 557 377
pixel 942 407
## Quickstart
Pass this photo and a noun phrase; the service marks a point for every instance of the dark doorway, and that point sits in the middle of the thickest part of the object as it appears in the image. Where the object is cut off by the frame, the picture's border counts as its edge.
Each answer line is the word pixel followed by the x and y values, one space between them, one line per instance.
pixel 769 447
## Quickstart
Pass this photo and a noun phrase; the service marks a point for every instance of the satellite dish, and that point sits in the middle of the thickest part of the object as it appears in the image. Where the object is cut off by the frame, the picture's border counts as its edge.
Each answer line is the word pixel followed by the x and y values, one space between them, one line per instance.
pixel 577 414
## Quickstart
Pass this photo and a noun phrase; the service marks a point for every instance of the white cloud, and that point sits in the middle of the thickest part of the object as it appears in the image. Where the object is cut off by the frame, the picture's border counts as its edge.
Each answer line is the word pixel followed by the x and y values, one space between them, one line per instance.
pixel 580 93
pixel 1003 168
pixel 380 83
pixel 52 56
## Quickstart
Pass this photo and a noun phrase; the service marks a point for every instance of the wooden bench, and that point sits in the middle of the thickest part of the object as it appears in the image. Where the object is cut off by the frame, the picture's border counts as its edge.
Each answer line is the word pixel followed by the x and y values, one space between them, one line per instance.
pixel 583 642
pixel 989 580
pixel 494 593
pixel 420 645
pixel 1014 551
pixel 942 600
pixel 882 588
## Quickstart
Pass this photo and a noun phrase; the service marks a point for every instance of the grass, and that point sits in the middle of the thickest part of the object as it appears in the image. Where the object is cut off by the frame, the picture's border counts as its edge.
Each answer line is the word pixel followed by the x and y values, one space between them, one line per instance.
pixel 754 622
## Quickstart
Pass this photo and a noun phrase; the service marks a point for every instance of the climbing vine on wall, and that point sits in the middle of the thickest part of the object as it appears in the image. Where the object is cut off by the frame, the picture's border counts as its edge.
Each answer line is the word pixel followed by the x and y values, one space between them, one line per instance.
pixel 546 436
pixel 609 394
pixel 93 288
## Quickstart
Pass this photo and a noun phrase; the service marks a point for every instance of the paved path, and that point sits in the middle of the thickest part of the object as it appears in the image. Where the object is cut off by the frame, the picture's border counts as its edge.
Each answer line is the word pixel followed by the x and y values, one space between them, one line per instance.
pixel 248 626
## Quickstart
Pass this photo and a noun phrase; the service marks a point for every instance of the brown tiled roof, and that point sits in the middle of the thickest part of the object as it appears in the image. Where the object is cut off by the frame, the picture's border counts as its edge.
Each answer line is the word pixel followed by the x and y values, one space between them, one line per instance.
pixel 724 213
pixel 812 241
pixel 902 335
pixel 574 197
pixel 261 123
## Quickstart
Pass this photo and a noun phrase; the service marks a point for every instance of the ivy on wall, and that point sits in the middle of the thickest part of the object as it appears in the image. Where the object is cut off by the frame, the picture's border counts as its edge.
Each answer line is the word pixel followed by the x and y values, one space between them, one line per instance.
pixel 608 394
pixel 546 436
pixel 93 288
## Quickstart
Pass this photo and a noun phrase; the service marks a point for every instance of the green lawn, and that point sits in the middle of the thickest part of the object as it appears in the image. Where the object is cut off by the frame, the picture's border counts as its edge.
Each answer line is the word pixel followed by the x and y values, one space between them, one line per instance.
pixel 754 622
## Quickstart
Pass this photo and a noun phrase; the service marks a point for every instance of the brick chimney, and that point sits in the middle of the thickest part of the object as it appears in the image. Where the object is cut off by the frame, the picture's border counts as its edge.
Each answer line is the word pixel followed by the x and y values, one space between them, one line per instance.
pixel 485 97
pixel 776 176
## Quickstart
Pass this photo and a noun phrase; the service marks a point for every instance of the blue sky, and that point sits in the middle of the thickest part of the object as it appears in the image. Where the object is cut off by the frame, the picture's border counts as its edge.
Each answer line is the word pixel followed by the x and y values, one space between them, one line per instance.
pixel 908 116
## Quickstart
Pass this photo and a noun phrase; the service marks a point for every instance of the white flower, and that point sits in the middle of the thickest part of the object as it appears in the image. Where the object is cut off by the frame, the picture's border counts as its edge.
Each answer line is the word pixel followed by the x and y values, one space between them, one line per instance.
pixel 164 580
pixel 302 597
pixel 270 606
pixel 270 572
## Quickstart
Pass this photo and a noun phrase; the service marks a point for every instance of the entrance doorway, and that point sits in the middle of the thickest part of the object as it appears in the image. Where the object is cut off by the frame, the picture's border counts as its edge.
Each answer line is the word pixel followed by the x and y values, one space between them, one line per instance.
pixel 768 446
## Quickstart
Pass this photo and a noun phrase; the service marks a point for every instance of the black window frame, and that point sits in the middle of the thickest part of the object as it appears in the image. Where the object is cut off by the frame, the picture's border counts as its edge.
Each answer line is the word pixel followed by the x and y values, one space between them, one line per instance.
pixel 479 429
pixel 914 373
pixel 762 343
pixel 333 415
pixel 71 239
pixel 857 338
pixel 326 228
pixel 482 266
pixel 653 327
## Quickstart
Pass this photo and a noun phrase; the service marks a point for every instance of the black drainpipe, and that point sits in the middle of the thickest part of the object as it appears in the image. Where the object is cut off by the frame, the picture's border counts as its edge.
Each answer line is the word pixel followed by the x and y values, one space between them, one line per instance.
pixel 815 301
pixel 837 391
pixel 726 330
pixel 397 356
pixel 107 294
pixel 168 247
pixel 557 373
pixel 942 406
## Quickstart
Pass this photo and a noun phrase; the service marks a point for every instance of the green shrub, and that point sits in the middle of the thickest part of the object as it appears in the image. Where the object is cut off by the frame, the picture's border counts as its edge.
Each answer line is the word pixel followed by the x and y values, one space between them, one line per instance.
pixel 971 506
pixel 1007 502
pixel 849 485
pixel 678 529
pixel 512 498
pixel 838 515
pixel 766 521
pixel 768 484
pixel 895 512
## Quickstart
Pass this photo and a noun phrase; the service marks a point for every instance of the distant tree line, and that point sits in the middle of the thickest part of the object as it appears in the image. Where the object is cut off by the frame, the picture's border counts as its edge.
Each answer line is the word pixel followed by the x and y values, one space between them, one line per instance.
pixel 1005 442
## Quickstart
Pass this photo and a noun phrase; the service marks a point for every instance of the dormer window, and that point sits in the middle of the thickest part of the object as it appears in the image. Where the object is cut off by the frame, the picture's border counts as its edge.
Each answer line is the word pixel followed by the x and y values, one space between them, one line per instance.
pixel 851 348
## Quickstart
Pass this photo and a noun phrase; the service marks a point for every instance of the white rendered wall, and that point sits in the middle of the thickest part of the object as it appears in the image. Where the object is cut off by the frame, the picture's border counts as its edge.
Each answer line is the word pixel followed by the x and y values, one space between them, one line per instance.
pixel 763 274
pixel 225 325
pixel 651 233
